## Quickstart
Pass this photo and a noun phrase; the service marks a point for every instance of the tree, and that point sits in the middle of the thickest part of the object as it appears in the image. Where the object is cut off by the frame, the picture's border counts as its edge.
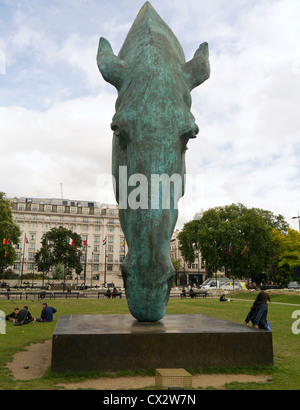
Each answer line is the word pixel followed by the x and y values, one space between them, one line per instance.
pixel 9 234
pixel 232 237
pixel 286 259
pixel 56 250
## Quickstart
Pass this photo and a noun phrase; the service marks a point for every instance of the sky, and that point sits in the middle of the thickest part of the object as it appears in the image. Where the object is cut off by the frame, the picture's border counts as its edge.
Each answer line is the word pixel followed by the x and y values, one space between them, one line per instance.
pixel 56 109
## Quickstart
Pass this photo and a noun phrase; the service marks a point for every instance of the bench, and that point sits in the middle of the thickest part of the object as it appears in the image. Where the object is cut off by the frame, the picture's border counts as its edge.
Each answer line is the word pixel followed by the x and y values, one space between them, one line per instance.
pixel 8 295
pixel 200 294
pixel 111 295
pixel 66 294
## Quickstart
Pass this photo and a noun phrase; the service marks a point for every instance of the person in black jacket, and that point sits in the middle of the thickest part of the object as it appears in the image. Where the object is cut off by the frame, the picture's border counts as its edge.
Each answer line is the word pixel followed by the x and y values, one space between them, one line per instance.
pixel 24 317
pixel 259 312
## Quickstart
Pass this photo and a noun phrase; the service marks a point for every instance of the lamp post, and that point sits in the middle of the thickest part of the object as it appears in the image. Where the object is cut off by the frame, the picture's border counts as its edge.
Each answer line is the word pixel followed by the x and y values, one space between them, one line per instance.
pixel 297 217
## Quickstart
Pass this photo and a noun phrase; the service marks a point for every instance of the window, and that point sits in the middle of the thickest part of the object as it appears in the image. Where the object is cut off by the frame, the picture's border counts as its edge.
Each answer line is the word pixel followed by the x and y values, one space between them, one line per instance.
pixel 48 208
pixel 33 225
pixel 85 211
pixel 85 228
pixel 21 207
pixel 111 212
pixel 32 246
pixel 30 256
pixel 73 210
pixel 30 266
pixel 95 268
pixel 97 228
pixel 110 248
pixel 110 267
pixel 60 209
pixel 34 208
pixel 111 229
pixel 110 239
pixel 96 248
pixel 110 258
pixel 95 258
pixel 32 236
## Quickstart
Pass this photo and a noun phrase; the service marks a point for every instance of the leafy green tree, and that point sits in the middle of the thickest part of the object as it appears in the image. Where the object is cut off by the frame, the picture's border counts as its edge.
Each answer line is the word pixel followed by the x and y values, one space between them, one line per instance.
pixel 232 237
pixel 286 260
pixel 9 234
pixel 56 250
pixel 58 272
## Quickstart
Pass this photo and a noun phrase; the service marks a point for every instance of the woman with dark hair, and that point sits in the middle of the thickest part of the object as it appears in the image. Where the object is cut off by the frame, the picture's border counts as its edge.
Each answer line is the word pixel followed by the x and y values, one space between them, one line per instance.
pixel 259 312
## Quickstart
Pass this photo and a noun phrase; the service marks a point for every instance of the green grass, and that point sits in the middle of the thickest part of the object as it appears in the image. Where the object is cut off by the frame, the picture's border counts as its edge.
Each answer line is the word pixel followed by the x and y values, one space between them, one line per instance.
pixel 284 375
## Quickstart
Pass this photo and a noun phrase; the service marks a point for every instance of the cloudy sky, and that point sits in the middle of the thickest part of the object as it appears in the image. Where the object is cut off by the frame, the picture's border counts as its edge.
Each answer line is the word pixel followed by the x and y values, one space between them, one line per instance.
pixel 56 109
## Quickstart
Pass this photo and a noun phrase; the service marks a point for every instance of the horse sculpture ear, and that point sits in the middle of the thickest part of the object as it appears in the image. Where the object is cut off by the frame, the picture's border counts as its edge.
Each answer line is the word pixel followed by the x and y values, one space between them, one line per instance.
pixel 110 66
pixel 197 70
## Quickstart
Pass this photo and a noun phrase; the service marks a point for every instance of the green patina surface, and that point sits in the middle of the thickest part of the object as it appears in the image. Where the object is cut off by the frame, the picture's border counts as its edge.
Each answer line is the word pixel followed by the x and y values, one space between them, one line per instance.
pixel 152 126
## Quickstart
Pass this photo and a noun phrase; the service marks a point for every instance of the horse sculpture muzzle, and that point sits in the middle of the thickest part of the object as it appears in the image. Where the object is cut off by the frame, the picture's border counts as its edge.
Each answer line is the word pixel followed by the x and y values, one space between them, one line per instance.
pixel 152 126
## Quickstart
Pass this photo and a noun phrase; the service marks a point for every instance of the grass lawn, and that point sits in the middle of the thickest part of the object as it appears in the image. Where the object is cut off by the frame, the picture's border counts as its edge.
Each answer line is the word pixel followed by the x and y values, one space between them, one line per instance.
pixel 285 374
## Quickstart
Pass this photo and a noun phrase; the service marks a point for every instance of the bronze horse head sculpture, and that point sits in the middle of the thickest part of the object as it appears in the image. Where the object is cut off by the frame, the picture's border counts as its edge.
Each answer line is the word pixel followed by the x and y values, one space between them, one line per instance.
pixel 152 126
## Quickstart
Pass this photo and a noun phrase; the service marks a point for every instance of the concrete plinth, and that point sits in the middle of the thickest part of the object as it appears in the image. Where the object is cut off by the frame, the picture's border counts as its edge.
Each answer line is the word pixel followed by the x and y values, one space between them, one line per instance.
pixel 119 342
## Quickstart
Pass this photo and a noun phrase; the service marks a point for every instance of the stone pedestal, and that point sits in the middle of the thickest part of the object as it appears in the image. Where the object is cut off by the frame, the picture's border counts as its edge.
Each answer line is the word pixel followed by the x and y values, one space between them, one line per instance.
pixel 118 342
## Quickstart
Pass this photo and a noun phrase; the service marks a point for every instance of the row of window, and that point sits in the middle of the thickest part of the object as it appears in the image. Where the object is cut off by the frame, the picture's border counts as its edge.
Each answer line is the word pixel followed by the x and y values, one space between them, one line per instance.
pixel 31 267
pixel 62 209
pixel 59 219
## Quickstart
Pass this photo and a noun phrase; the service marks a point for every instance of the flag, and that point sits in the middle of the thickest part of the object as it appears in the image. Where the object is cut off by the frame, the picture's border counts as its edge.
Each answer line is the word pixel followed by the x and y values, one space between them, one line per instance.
pixel 26 240
pixel 123 243
pixel 84 243
pixel 229 249
pixel 5 255
pixel 104 241
pixel 4 241
pixel 47 241
pixel 70 241
pixel 245 249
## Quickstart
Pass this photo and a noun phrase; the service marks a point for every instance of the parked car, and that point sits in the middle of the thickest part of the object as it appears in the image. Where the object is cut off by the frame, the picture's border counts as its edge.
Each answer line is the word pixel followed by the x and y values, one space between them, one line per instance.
pixel 293 285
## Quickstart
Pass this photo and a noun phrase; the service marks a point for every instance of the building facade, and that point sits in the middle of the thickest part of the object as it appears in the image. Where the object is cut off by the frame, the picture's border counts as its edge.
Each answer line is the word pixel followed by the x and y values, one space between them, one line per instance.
pixel 187 273
pixel 93 222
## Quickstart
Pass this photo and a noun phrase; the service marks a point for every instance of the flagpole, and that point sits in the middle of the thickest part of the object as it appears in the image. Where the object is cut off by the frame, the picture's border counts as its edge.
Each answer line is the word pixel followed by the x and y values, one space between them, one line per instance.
pixel 23 259
pixel 105 265
pixel 84 280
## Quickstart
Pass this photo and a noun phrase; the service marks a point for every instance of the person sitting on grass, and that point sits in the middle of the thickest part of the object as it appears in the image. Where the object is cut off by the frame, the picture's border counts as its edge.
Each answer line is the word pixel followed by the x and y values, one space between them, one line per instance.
pixel 47 314
pixel 24 317
pixel 12 317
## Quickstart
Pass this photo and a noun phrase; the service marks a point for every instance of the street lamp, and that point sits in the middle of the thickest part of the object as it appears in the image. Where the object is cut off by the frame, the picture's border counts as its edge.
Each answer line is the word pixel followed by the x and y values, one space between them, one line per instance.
pixel 297 217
